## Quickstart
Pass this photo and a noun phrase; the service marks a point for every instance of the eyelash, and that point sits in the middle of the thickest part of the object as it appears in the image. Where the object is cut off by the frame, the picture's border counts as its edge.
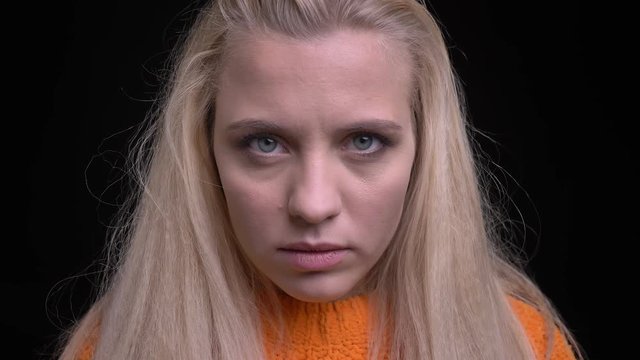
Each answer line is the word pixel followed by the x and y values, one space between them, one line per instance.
pixel 385 142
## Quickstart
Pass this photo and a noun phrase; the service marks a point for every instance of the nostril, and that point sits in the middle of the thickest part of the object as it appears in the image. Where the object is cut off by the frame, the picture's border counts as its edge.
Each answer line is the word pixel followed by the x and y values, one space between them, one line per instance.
pixel 314 195
pixel 314 210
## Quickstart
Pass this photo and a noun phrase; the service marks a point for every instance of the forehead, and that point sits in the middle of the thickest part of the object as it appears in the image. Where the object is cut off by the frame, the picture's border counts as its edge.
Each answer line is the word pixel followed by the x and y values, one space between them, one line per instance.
pixel 342 75
pixel 276 57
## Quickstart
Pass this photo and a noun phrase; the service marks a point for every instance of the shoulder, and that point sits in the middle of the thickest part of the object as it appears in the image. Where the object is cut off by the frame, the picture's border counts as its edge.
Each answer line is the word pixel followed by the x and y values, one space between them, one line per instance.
pixel 537 331
pixel 88 348
pixel 82 339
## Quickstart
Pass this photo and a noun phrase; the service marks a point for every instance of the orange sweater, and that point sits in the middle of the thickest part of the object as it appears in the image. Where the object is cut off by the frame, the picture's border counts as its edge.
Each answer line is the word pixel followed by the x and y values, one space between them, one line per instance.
pixel 338 330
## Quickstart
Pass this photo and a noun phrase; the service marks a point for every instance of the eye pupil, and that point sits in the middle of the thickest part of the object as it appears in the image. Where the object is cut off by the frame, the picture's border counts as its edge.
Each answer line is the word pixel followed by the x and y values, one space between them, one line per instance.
pixel 362 142
pixel 266 144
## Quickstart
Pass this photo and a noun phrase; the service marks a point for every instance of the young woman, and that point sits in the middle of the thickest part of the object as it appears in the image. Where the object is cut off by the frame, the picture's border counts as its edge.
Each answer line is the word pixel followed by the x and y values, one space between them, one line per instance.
pixel 308 191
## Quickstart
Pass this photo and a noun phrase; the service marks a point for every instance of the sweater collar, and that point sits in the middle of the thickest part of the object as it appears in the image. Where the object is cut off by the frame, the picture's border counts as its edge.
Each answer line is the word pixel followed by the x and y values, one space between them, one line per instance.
pixel 317 329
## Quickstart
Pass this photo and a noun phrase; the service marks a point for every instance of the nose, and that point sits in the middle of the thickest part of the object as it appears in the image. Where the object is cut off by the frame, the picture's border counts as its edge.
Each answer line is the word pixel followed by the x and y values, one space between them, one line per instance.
pixel 314 195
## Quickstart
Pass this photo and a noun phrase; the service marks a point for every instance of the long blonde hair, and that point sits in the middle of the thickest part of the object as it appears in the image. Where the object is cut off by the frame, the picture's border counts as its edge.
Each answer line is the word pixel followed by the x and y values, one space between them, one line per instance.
pixel 181 288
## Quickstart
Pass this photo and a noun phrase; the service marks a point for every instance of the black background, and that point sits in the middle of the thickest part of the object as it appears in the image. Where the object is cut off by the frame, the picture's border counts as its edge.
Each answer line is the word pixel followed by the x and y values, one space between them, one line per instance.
pixel 536 76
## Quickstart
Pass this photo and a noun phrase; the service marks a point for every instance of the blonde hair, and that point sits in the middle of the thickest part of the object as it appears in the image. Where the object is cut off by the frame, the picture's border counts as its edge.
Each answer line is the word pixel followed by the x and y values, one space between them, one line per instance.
pixel 182 289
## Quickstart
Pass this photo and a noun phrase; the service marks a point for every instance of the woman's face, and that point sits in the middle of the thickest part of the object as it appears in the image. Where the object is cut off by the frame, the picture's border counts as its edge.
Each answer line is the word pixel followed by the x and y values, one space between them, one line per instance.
pixel 314 146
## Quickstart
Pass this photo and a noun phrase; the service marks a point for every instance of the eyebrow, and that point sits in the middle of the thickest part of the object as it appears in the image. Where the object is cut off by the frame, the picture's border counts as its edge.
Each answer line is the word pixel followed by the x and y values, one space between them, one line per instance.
pixel 359 125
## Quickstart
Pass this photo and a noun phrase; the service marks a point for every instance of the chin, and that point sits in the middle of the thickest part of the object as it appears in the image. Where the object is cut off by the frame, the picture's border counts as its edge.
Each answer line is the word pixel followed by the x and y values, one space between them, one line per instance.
pixel 317 290
pixel 314 298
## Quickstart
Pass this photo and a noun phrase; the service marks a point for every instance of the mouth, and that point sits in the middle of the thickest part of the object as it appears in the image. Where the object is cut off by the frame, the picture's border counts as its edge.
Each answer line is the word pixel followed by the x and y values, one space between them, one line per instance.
pixel 306 247
pixel 314 260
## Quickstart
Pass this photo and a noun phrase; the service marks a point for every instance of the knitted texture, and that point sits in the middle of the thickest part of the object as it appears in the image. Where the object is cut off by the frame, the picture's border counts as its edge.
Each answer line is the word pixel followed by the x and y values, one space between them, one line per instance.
pixel 322 331
pixel 534 326
pixel 338 330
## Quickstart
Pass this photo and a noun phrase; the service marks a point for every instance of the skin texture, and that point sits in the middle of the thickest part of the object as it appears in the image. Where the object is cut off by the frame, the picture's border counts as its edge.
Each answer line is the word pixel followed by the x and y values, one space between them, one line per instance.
pixel 314 168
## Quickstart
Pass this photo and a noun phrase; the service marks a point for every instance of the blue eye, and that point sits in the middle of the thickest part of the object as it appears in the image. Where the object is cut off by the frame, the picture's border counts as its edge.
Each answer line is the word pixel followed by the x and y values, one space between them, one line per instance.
pixel 262 144
pixel 266 144
pixel 368 145
pixel 362 142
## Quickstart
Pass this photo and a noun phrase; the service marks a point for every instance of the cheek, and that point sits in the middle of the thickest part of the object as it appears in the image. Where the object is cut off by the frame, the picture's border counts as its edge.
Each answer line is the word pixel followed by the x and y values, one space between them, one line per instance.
pixel 253 206
pixel 377 208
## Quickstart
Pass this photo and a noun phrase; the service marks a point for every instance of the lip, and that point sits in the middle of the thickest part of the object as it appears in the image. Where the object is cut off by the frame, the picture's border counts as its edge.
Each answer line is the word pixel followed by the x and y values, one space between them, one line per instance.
pixel 301 246
pixel 313 260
